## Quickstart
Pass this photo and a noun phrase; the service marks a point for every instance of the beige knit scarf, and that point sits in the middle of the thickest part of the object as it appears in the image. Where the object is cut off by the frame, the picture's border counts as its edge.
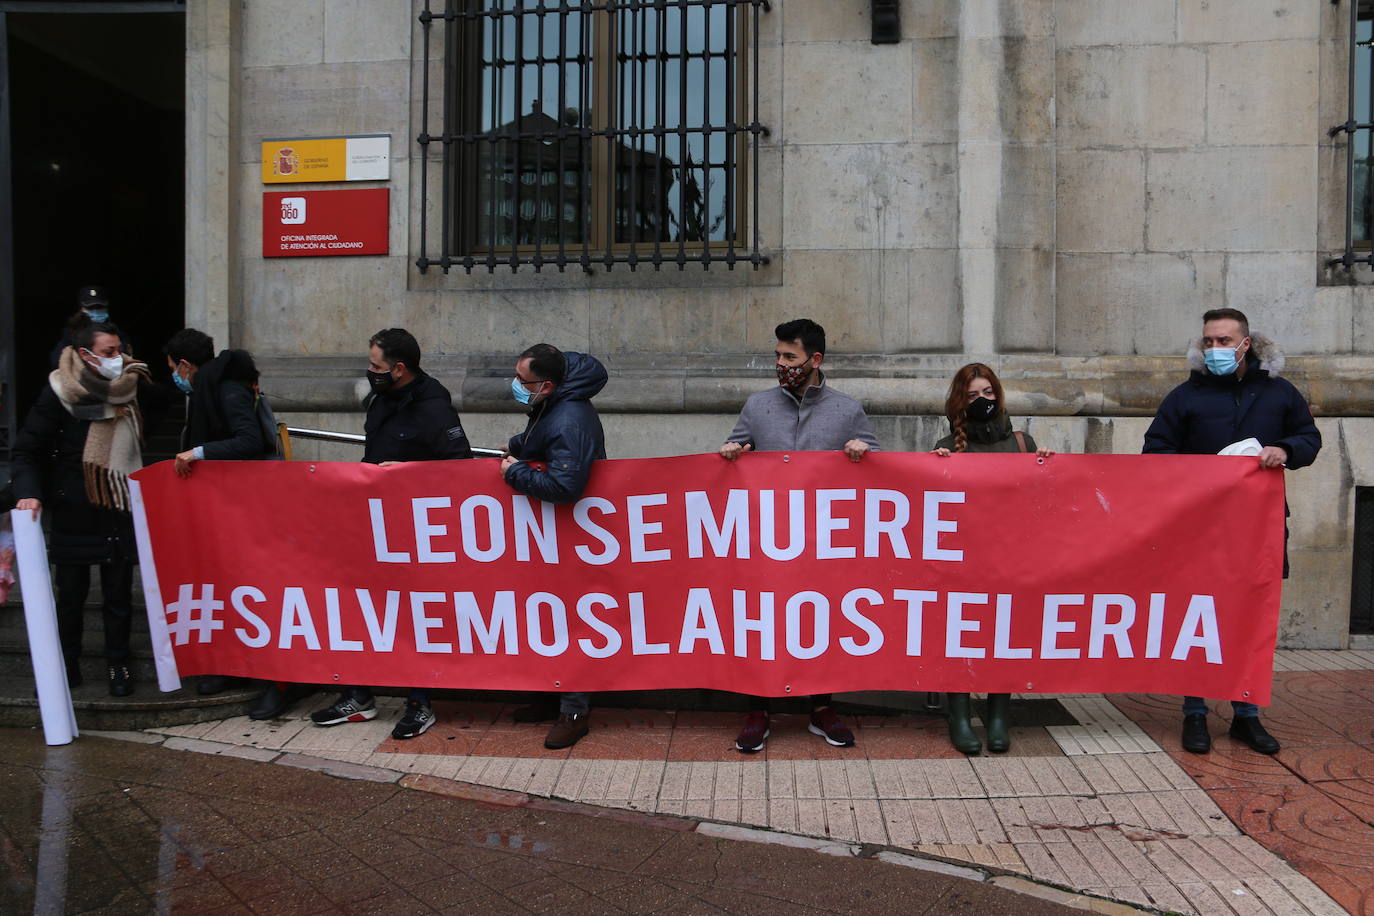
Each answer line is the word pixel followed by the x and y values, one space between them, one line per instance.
pixel 114 442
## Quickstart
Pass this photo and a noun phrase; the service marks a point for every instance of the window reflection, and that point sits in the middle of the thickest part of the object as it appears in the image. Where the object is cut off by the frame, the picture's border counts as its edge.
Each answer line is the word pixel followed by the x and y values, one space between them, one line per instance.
pixel 657 162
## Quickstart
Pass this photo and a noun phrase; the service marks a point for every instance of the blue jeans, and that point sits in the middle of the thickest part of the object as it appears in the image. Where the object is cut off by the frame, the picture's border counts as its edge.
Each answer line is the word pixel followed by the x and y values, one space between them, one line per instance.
pixel 1241 710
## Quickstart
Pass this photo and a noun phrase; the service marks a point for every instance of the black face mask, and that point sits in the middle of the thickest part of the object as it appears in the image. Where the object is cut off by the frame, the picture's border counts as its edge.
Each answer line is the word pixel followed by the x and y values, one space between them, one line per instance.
pixel 381 382
pixel 980 410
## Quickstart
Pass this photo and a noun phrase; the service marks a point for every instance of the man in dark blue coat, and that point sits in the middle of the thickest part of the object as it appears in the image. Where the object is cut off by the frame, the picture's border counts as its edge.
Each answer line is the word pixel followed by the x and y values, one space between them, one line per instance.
pixel 564 436
pixel 1234 393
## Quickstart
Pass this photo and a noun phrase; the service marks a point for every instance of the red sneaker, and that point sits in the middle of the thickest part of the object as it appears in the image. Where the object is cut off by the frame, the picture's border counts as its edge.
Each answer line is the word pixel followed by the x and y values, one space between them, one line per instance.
pixel 825 723
pixel 754 733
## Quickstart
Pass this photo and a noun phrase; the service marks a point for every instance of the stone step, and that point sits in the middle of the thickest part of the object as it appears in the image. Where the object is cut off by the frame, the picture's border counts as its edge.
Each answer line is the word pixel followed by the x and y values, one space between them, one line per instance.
pixel 148 707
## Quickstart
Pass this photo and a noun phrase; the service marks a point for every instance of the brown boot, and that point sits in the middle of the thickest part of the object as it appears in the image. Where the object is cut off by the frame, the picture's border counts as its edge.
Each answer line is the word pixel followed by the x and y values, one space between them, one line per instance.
pixel 566 731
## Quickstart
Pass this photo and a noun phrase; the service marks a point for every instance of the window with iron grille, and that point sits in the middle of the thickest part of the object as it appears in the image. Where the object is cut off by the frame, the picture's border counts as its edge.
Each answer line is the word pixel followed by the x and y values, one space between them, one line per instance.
pixel 1359 131
pixel 592 133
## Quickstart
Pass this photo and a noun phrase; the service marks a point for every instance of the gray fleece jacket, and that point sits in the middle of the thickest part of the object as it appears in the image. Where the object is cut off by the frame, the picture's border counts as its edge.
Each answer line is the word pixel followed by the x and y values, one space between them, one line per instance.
pixel 822 420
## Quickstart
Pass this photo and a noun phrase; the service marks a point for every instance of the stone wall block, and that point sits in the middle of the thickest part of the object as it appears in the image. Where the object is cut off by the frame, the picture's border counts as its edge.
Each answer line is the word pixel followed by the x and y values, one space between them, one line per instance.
pixel 869 196
pixel 1261 93
pixel 1006 18
pixel 920 297
pixel 1025 300
pixel 1133 303
pixel 1239 199
pixel 357 30
pixel 705 320
pixel 1363 308
pixel 326 101
pixel 841 291
pixel 935 92
pixel 1316 600
pixel 850 20
pixel 311 306
pixel 850 92
pixel 1081 23
pixel 1003 88
pixel 1065 435
pixel 1100 204
pixel 1322 515
pixel 1279 294
pixel 507 321
pixel 1261 20
pixel 278 33
pixel 1131 96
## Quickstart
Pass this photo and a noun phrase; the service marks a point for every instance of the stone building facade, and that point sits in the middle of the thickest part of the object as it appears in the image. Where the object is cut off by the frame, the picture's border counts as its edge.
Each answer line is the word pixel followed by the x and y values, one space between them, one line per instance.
pixel 1057 187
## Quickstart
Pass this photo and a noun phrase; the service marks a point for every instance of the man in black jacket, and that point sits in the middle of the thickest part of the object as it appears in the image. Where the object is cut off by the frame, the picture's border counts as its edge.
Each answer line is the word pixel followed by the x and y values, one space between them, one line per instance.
pixel 410 417
pixel 1234 393
pixel 564 435
pixel 74 453
pixel 227 419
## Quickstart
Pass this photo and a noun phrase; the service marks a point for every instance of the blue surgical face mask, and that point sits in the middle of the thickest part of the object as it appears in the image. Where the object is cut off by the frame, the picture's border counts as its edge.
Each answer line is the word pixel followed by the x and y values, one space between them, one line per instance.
pixel 522 394
pixel 99 316
pixel 181 383
pixel 1221 360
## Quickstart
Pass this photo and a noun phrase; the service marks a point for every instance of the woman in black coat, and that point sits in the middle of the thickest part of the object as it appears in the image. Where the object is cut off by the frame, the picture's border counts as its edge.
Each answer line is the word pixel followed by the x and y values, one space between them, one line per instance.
pixel 81 479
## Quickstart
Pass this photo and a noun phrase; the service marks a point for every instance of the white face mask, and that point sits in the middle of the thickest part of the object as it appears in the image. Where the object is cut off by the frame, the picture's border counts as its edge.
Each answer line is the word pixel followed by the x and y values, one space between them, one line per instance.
pixel 110 367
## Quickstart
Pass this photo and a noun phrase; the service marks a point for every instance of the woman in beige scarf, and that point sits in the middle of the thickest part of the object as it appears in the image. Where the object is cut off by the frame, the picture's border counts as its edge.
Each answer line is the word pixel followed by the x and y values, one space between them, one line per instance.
pixel 73 456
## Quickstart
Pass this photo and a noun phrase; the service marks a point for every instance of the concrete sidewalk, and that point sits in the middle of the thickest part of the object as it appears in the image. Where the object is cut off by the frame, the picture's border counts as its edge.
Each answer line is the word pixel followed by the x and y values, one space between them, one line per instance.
pixel 1109 806
pixel 107 827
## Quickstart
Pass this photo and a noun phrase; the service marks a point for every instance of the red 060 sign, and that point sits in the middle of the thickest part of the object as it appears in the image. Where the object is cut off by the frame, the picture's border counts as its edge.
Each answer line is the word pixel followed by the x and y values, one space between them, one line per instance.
pixel 325 223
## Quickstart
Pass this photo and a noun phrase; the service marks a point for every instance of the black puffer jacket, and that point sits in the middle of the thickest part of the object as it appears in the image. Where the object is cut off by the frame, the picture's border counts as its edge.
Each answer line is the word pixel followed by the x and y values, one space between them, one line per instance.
pixel 414 423
pixel 564 432
pixel 47 466
pixel 1209 412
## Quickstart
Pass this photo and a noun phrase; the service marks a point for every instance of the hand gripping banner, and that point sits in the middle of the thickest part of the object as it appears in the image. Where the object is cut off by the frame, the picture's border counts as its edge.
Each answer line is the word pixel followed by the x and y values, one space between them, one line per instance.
pixel 777 574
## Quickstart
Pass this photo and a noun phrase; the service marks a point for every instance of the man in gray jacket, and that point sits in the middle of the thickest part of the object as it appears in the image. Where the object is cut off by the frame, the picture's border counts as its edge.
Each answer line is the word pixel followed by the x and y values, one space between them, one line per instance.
pixel 802 414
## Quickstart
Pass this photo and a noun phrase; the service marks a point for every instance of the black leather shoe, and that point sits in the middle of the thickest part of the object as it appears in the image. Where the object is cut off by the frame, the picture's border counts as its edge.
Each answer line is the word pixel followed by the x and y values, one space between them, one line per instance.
pixel 271 703
pixel 1195 736
pixel 1252 733
pixel 121 682
pixel 211 684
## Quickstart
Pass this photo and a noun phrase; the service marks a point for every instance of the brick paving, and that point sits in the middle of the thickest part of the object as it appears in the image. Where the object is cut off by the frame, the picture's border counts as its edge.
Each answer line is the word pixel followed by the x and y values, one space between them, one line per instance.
pixel 1109 806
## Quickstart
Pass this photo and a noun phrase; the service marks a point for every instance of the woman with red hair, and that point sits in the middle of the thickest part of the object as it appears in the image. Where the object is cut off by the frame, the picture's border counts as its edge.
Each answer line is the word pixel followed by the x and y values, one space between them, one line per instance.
pixel 978 422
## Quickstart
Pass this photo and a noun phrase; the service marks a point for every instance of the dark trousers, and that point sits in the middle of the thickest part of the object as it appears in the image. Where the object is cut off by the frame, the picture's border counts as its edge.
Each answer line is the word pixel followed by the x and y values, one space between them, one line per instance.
pixel 73 583
pixel 760 704
pixel 417 694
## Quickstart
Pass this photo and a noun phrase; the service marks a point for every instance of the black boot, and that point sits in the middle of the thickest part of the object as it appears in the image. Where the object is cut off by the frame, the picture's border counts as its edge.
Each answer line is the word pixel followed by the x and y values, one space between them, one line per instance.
pixel 961 733
pixel 272 702
pixel 211 684
pixel 1195 736
pixel 999 735
pixel 1249 730
pixel 121 681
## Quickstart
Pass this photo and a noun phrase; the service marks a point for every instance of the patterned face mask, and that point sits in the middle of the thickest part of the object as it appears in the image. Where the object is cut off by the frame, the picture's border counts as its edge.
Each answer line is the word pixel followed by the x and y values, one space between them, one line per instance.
pixel 793 377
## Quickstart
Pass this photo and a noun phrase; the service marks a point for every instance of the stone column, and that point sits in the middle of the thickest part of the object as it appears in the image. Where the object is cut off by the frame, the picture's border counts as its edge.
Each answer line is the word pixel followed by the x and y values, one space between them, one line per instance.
pixel 212 68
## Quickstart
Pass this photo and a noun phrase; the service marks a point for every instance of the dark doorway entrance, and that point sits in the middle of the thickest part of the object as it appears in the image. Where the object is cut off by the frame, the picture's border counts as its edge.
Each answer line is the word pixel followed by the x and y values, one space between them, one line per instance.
pixel 96 161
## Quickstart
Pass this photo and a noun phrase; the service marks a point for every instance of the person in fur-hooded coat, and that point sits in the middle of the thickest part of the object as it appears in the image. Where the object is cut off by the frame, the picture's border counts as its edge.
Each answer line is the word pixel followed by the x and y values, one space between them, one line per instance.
pixel 1233 393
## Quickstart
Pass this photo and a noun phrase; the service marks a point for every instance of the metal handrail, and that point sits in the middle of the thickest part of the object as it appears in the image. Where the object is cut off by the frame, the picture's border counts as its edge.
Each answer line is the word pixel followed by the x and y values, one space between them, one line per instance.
pixel 326 435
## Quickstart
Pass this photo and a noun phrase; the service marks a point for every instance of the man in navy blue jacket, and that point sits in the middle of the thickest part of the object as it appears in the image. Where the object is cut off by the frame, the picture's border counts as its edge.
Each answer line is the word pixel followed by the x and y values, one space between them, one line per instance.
pixel 564 437
pixel 1234 393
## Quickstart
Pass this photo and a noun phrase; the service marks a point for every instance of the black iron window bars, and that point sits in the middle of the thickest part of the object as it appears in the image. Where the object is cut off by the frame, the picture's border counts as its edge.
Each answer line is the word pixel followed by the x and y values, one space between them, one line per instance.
pixel 1359 131
pixel 594 133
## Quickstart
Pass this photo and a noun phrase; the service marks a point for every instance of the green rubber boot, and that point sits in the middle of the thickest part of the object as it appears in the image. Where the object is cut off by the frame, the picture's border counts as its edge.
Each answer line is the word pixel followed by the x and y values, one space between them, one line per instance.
pixel 961 733
pixel 999 736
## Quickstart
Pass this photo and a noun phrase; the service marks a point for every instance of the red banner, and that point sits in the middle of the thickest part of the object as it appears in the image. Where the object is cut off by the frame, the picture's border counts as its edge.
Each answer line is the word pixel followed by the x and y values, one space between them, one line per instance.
pixel 777 574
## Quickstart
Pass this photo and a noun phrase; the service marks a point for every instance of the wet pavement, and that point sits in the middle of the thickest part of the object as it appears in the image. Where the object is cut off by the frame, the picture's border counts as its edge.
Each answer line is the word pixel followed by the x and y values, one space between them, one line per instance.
pixel 116 826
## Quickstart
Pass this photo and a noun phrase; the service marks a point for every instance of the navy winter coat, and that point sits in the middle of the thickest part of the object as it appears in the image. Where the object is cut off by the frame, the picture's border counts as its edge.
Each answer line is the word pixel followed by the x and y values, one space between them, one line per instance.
pixel 1209 412
pixel 564 432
